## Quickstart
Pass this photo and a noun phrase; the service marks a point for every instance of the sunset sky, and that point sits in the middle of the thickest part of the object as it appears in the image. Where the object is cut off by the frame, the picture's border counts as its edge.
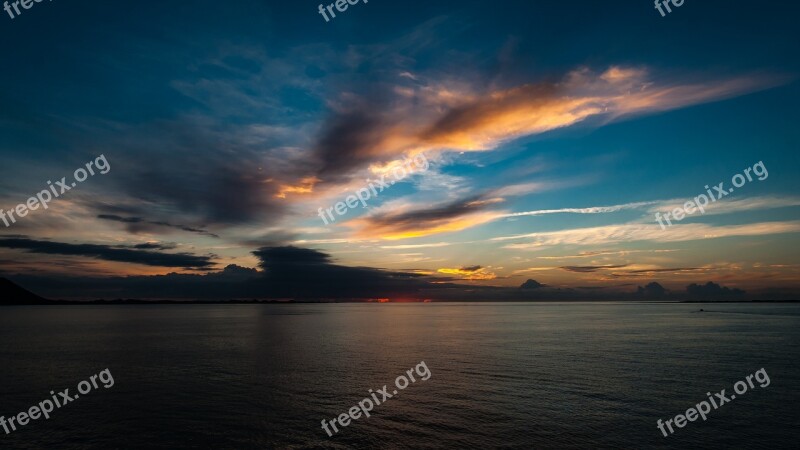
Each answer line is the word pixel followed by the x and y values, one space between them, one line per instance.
pixel 554 133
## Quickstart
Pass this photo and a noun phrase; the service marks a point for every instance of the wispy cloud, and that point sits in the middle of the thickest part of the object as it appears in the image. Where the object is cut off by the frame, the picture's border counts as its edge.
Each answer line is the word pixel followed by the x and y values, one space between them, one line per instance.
pixel 645 232
pixel 590 210
pixel 538 187
pixel 728 206
pixel 720 207
pixel 405 220
pixel 596 254
pixel 412 246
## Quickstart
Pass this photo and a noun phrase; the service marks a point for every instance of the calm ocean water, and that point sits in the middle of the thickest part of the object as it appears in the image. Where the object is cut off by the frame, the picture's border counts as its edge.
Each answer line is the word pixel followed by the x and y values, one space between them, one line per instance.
pixel 544 375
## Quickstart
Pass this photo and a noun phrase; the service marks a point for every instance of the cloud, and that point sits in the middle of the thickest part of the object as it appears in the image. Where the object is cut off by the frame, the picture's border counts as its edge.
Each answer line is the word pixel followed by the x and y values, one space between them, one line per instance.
pixel 322 241
pixel 486 120
pixel 640 271
pixel 728 206
pixel 590 210
pixel 197 170
pixel 646 232
pixel 139 225
pixel 638 232
pixel 669 270
pixel 537 187
pixel 531 284
pixel 299 272
pixel 401 223
pixel 433 115
pixel 456 216
pixel 306 186
pixel 651 290
pixel 413 246
pixel 202 170
pixel 470 273
pixel 109 253
pixel 589 269
pixel 594 254
pixel 353 139
pixel 712 290
pixel 281 256
pixel 154 246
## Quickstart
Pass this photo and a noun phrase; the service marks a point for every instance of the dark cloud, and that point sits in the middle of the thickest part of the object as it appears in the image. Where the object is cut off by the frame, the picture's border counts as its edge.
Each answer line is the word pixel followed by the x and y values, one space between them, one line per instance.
pixel 108 253
pixel 673 269
pixel 589 269
pixel 651 290
pixel 372 122
pixel 197 170
pixel 154 246
pixel 298 272
pixel 445 212
pixel 139 225
pixel 646 272
pixel 712 290
pixel 290 256
pixel 471 268
pixel 421 220
pixel 349 141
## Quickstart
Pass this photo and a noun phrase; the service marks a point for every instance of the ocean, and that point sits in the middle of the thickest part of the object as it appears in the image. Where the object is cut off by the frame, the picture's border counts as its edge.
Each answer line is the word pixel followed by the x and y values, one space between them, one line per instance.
pixel 507 375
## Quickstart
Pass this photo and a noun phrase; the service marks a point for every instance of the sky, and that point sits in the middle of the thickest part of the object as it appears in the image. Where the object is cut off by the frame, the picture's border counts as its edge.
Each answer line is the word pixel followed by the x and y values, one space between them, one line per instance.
pixel 552 133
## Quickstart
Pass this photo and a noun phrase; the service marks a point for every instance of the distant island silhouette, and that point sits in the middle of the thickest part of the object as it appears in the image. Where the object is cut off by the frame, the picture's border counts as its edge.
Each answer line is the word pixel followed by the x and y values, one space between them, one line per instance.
pixel 13 294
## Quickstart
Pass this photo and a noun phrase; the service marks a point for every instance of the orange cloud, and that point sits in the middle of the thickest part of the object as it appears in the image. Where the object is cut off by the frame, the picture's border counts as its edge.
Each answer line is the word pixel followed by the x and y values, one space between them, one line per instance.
pixel 484 122
pixel 406 227
pixel 472 122
pixel 470 273
pixel 434 117
pixel 306 186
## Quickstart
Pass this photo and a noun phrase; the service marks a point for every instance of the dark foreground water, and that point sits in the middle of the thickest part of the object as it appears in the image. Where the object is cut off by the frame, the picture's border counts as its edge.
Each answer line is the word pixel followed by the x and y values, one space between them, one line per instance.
pixel 503 375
